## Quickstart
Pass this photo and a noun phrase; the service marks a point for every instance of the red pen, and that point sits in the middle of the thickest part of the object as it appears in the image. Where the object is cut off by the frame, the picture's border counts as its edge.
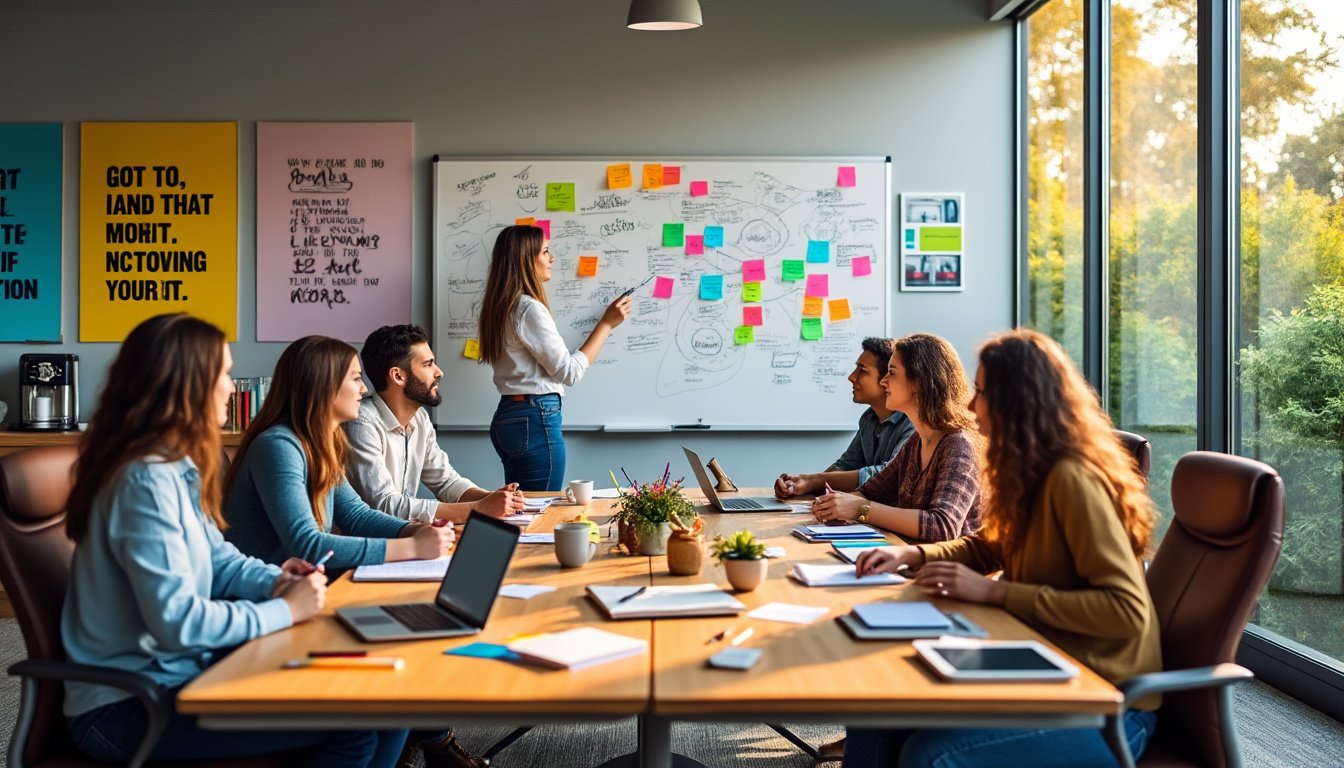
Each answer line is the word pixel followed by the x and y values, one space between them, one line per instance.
pixel 439 522
pixel 350 654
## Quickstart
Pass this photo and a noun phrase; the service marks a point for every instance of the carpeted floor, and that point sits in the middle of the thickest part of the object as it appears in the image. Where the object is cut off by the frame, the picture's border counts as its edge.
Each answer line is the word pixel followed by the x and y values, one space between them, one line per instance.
pixel 1276 732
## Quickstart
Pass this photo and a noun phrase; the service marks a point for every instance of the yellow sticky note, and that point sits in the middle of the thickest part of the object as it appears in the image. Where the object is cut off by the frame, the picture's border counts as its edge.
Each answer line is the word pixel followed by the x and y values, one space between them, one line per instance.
pixel 618 176
pixel 472 350
pixel 587 266
pixel 812 306
pixel 751 291
pixel 530 221
pixel 653 176
pixel 839 310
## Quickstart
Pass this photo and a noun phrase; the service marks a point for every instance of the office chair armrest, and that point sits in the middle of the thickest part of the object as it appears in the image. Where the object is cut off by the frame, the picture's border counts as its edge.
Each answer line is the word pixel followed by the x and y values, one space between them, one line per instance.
pixel 158 706
pixel 1216 676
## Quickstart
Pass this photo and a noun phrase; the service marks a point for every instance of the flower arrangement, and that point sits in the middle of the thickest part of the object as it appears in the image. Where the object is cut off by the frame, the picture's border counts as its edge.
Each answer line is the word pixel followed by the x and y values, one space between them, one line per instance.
pixel 742 545
pixel 647 506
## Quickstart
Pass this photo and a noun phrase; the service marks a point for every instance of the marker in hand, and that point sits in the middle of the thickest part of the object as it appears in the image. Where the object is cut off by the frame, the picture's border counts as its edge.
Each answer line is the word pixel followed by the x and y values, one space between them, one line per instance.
pixel 636 288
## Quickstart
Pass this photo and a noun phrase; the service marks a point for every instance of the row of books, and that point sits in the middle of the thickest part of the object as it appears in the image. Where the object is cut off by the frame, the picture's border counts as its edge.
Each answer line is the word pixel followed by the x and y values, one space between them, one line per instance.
pixel 246 400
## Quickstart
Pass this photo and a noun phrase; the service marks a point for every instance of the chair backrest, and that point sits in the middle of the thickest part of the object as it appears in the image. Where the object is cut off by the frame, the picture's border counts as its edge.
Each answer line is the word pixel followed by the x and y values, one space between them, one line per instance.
pixel 1206 577
pixel 35 569
pixel 1138 447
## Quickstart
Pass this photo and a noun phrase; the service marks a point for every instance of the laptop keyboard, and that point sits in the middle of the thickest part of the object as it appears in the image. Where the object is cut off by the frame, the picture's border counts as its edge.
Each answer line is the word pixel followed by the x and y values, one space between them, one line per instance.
pixel 740 503
pixel 422 617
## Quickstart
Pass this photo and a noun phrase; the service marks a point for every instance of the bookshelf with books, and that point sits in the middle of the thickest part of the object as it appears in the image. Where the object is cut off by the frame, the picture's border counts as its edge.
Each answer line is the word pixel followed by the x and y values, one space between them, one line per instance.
pixel 248 395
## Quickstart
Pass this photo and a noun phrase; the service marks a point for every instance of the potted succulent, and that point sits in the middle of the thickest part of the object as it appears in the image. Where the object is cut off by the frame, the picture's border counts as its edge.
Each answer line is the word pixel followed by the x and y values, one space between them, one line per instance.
pixel 743 558
pixel 651 509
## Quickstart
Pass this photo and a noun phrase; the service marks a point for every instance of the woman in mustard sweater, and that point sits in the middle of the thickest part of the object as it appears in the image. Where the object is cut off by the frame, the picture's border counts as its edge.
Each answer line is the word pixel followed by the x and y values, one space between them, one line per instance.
pixel 1067 519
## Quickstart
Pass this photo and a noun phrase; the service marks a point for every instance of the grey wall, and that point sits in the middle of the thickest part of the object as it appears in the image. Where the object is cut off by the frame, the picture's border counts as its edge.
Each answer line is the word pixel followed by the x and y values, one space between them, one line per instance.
pixel 928 82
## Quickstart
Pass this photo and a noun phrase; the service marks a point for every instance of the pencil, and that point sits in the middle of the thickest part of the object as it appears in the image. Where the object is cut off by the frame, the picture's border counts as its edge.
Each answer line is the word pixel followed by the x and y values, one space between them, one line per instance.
pixel 345 662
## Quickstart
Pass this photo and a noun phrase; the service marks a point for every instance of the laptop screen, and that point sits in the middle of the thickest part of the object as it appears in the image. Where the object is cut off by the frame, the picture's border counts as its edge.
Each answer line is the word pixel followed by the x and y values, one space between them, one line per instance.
pixel 477 569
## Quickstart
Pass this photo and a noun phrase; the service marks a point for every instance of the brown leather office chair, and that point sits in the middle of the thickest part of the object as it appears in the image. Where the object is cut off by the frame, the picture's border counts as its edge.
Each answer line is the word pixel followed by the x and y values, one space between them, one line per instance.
pixel 35 559
pixel 1205 579
pixel 1138 447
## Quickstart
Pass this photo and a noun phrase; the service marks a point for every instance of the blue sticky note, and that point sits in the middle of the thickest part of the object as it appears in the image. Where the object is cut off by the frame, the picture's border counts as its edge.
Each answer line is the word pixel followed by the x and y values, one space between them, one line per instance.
pixel 713 237
pixel 30 250
pixel 711 287
pixel 484 651
pixel 818 251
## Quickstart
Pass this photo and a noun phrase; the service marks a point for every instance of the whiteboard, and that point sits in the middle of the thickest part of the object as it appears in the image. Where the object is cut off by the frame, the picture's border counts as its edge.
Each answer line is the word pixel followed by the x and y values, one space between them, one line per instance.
pixel 674 361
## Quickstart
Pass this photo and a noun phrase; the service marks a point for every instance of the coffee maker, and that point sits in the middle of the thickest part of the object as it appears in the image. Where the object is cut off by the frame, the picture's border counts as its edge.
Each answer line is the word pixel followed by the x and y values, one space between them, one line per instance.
pixel 49 392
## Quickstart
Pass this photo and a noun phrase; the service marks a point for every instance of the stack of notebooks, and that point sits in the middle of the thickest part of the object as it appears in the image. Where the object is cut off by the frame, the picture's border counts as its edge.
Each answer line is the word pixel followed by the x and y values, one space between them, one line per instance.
pixel 906 621
pixel 849 551
pixel 575 648
pixel 823 533
pixel 404 570
pixel 838 576
pixel 663 602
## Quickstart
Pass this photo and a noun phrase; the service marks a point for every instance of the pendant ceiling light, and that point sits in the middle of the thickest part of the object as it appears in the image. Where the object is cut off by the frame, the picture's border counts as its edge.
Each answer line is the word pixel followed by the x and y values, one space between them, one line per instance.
pixel 664 15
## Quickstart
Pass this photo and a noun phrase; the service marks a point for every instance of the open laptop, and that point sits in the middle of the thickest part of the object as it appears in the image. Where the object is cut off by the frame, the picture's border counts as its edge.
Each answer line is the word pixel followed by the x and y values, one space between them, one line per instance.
pixel 465 597
pixel 732 503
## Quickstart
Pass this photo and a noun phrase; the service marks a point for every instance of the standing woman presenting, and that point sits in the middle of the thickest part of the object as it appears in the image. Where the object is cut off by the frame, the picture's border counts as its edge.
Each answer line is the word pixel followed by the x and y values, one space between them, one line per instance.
pixel 531 362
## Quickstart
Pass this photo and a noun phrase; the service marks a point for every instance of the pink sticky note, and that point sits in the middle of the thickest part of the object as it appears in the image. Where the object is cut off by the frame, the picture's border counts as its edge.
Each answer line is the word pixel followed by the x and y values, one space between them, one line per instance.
pixel 753 271
pixel 662 288
pixel 844 177
pixel 545 225
pixel 863 266
pixel 699 188
pixel 818 285
pixel 751 316
pixel 695 245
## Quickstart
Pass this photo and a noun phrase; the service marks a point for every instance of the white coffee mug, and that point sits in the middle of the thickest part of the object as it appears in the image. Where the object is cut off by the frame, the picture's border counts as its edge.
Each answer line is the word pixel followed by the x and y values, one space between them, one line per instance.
pixel 574 545
pixel 580 491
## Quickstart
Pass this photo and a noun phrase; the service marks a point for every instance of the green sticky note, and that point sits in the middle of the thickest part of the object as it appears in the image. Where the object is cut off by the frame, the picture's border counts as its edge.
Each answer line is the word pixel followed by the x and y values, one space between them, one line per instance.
pixel 744 334
pixel 674 235
pixel 751 291
pixel 559 197
pixel 811 328
pixel 793 270
pixel 940 239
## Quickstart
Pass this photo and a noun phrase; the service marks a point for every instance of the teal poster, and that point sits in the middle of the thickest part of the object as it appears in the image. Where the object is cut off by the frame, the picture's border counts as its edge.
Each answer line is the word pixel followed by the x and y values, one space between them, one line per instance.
pixel 30 232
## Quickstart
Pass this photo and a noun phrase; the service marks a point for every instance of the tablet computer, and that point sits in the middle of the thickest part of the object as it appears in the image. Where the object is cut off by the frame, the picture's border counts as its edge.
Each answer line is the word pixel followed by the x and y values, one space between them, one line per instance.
pixel 995 661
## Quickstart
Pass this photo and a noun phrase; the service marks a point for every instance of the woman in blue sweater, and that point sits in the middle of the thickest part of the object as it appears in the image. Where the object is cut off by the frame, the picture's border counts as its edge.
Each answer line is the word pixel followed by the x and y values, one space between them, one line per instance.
pixel 287 487
pixel 154 588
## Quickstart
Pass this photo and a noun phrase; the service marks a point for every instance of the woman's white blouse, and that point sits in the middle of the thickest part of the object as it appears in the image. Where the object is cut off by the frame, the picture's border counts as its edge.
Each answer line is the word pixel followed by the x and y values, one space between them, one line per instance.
pixel 536 360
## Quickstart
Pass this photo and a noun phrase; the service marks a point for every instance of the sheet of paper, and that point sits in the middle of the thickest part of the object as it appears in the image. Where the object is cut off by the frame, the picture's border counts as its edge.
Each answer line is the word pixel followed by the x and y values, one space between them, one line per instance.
pixel 773 553
pixel 524 591
pixel 789 613
pixel 538 503
pixel 818 251
pixel 801 507
pixel 606 493
pixel 713 237
pixel 536 538
pixel 404 570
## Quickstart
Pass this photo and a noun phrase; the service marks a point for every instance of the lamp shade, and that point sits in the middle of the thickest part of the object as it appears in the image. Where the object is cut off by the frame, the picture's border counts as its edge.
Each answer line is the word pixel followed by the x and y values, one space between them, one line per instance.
pixel 664 14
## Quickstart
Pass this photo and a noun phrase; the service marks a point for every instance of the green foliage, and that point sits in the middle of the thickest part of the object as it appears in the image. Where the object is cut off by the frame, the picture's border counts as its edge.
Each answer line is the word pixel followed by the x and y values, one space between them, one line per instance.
pixel 648 506
pixel 1316 161
pixel 742 545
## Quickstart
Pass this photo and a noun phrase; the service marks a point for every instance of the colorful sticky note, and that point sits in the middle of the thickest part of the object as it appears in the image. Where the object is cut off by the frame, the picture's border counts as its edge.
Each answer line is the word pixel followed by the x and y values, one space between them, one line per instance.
pixel 527 222
pixel 472 349
pixel 545 225
pixel 753 270
pixel 695 245
pixel 844 176
pixel 674 235
pixel 587 266
pixel 940 239
pixel 752 316
pixel 671 175
pixel 744 334
pixel 711 287
pixel 812 306
pixel 751 291
pixel 662 287
pixel 862 266
pixel 653 176
pixel 699 188
pixel 818 251
pixel 839 310
pixel 559 196
pixel 818 285
pixel 811 328
pixel 793 270
pixel 714 237
pixel 618 176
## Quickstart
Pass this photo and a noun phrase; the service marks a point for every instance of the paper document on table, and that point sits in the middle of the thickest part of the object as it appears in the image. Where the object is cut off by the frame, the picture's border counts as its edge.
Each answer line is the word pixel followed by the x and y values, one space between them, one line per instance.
pixel 524 591
pixel 851 554
pixel 538 504
pixel 606 493
pixel 522 519
pixel 404 570
pixel 839 576
pixel 689 600
pixel 789 613
pixel 536 538
pixel 577 647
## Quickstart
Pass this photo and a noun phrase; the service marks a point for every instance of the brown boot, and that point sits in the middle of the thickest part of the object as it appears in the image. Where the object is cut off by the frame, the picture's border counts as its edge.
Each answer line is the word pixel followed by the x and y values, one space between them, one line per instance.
pixel 831 751
pixel 448 752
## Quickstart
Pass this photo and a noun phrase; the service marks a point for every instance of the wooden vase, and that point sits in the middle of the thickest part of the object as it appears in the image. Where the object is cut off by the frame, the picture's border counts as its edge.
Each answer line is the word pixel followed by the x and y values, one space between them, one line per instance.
pixel 627 537
pixel 685 554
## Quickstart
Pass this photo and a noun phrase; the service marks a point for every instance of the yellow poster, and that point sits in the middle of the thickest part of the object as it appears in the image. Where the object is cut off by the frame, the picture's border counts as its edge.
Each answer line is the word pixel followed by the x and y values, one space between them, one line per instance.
pixel 158 225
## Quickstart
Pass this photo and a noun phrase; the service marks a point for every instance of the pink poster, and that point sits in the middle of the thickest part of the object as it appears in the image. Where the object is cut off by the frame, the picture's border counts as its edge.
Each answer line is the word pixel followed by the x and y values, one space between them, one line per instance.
pixel 333 229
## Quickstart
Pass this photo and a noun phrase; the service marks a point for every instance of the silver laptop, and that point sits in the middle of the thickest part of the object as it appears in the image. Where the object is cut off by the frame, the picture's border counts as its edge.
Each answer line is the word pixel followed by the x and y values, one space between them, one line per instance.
pixel 465 597
pixel 732 503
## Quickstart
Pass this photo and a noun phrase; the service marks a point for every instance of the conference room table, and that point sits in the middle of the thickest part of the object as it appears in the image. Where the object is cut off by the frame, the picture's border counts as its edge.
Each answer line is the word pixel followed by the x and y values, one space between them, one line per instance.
pixel 808 673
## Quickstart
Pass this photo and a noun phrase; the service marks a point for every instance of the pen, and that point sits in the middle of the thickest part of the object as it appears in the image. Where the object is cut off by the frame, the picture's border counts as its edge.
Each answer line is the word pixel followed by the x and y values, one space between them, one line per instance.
pixel 636 288
pixel 632 595
pixel 351 654
pixel 721 634
pixel 365 662
pixel 322 561
pixel 742 637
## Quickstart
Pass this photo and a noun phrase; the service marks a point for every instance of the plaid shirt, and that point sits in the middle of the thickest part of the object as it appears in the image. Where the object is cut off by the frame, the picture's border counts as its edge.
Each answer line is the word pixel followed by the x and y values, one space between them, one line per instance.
pixel 946 492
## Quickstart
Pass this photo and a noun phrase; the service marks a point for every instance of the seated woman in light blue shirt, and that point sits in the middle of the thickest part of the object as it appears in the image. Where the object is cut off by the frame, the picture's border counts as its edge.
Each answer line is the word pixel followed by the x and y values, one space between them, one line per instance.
pixel 154 588
pixel 287 488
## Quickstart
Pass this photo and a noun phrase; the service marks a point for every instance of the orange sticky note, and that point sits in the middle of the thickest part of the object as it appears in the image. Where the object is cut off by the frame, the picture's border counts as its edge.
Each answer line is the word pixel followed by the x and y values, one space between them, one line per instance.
pixel 839 310
pixel 587 266
pixel 472 350
pixel 618 176
pixel 653 176
pixel 530 221
pixel 671 175
pixel 812 306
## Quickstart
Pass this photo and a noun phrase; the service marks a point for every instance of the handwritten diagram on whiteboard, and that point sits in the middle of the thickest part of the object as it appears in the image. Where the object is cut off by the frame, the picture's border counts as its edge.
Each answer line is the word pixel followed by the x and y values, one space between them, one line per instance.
pixel 757 280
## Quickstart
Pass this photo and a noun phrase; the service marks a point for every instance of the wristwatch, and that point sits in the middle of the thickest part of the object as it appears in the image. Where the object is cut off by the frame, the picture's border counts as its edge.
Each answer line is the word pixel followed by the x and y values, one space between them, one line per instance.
pixel 864 509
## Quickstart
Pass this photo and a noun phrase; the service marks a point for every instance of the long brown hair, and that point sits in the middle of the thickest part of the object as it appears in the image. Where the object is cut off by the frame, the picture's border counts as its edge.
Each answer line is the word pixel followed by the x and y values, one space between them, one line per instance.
pixel 513 273
pixel 158 399
pixel 1041 410
pixel 303 394
pixel 932 366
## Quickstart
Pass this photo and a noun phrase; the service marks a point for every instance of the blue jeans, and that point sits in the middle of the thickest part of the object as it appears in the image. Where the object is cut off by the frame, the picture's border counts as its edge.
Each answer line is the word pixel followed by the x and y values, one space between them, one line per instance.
pixel 998 747
pixel 112 732
pixel 526 435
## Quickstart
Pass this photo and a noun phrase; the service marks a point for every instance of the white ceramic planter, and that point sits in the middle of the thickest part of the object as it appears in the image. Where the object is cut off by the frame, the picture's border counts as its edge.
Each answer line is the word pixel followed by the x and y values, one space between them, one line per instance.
pixel 745 575
pixel 654 542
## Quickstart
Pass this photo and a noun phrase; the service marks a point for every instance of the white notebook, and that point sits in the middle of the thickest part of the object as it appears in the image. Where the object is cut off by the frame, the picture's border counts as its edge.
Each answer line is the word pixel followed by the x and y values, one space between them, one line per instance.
pixel 838 576
pixel 691 600
pixel 579 647
pixel 404 570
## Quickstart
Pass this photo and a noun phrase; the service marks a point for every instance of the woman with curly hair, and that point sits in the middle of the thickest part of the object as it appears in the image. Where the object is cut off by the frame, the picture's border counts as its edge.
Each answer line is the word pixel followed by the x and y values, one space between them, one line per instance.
pixel 1068 521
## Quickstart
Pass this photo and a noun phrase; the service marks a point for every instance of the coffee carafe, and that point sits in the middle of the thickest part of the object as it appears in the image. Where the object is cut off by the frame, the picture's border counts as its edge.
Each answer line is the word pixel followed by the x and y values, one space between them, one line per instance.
pixel 49 392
